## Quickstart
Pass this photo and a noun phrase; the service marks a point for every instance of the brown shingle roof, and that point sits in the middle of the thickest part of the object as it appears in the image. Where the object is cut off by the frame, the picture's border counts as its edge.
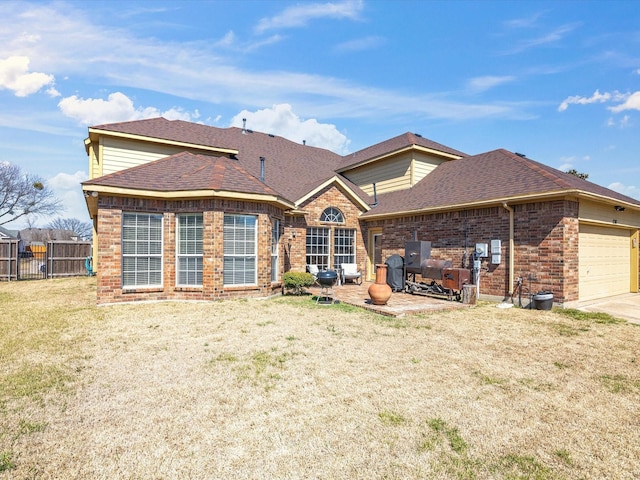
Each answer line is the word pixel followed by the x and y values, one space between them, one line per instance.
pixel 289 167
pixel 184 172
pixel 392 145
pixel 495 175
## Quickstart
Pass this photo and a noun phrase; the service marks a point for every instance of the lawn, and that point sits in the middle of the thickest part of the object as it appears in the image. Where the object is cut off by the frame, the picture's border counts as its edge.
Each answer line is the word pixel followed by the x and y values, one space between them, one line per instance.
pixel 286 389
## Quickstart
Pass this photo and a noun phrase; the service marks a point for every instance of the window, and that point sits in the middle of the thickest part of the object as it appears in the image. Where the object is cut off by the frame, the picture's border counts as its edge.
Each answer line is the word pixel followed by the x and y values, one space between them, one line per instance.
pixel 332 215
pixel 141 250
pixel 240 255
pixel 344 246
pixel 275 245
pixel 318 247
pixel 189 250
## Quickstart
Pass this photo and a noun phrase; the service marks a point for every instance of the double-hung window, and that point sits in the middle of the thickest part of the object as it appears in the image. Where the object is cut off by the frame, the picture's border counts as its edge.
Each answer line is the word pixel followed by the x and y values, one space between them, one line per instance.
pixel 141 250
pixel 240 249
pixel 275 244
pixel 189 250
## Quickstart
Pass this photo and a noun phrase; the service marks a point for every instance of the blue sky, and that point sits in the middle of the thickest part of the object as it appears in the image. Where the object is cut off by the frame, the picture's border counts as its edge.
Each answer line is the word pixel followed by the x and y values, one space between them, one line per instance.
pixel 558 81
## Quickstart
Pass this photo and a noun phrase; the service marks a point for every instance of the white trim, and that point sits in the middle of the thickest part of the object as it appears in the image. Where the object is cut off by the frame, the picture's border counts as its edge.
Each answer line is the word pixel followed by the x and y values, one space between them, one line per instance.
pixel 328 182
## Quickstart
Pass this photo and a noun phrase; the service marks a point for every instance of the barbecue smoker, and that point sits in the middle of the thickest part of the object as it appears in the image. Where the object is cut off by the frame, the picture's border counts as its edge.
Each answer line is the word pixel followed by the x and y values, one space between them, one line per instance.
pixel 445 280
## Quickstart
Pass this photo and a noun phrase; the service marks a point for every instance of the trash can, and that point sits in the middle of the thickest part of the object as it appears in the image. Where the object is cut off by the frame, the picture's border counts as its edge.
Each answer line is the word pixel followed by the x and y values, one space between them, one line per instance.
pixel 543 300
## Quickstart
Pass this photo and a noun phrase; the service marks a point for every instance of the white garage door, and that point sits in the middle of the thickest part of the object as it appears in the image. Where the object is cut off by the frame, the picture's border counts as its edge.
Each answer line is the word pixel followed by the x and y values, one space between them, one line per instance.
pixel 605 261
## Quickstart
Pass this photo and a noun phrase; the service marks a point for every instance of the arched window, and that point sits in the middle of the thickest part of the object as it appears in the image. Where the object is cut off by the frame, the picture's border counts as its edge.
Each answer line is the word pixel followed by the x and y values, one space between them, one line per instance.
pixel 332 215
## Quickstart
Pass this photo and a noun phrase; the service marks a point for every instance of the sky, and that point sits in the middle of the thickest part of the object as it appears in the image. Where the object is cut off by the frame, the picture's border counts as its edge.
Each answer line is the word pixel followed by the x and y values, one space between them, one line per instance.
pixel 557 81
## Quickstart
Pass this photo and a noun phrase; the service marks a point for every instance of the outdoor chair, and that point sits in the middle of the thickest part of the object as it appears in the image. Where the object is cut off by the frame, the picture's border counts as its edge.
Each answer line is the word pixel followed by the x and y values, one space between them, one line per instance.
pixel 350 272
pixel 313 270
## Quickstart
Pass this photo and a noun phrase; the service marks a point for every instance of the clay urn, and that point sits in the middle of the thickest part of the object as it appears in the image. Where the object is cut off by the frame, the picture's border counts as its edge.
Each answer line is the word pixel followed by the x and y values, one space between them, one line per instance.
pixel 380 292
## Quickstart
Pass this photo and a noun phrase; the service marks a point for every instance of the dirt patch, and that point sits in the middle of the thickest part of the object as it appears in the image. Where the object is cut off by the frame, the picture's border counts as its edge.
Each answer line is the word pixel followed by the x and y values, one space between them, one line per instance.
pixel 284 389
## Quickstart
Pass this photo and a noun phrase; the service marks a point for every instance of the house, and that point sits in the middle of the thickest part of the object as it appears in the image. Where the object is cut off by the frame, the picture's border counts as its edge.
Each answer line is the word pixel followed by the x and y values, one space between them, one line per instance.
pixel 6 234
pixel 189 211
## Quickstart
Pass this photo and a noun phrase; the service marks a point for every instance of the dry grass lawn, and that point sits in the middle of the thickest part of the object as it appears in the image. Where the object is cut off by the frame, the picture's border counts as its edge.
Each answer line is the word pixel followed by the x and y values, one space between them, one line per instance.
pixel 285 389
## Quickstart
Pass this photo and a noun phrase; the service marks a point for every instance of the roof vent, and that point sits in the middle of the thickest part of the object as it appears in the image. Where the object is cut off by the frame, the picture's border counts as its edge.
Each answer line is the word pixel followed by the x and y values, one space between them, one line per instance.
pixel 418 135
pixel 271 135
pixel 520 154
pixel 244 126
pixel 304 142
pixel 262 169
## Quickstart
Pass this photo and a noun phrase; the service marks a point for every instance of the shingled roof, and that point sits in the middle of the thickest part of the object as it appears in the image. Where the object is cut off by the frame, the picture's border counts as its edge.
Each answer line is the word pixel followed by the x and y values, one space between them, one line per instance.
pixel 393 145
pixel 289 166
pixel 187 172
pixel 494 176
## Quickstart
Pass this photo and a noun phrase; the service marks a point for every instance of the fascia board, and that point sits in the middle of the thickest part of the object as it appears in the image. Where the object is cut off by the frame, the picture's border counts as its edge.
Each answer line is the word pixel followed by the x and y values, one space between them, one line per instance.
pixel 328 182
pixel 190 194
pixel 393 153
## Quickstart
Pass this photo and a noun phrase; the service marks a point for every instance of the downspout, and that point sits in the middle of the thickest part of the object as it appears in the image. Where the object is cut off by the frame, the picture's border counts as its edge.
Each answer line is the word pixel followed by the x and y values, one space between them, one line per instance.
pixel 511 246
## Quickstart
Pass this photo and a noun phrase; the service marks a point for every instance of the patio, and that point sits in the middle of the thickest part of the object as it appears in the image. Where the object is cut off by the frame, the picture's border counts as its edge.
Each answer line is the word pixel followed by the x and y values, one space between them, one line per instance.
pixel 399 304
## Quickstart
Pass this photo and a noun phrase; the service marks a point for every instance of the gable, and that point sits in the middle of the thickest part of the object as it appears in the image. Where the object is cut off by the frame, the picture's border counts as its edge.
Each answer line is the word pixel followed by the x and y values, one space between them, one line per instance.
pixel 399 172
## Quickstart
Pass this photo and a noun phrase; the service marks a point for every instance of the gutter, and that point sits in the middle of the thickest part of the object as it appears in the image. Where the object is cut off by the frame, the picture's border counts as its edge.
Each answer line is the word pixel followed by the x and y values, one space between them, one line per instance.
pixel 511 246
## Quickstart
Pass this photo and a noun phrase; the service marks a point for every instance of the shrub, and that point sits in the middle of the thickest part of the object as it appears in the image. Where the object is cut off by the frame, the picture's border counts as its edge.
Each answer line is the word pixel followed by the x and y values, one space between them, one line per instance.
pixel 296 282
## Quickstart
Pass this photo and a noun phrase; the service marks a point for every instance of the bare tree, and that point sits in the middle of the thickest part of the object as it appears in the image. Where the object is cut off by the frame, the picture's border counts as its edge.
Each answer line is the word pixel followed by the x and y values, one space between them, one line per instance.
pixel 23 194
pixel 83 229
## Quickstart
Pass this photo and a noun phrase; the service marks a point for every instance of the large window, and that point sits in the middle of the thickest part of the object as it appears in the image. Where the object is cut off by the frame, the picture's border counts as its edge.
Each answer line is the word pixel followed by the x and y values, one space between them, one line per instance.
pixel 240 251
pixel 318 247
pixel 344 246
pixel 275 245
pixel 189 250
pixel 141 250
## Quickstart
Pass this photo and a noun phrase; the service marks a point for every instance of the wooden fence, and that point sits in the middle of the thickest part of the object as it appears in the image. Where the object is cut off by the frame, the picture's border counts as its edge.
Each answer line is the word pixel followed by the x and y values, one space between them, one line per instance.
pixel 8 260
pixel 61 259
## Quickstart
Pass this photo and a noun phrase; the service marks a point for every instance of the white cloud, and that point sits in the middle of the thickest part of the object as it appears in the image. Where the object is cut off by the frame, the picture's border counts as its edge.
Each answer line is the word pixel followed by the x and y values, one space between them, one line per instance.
pixel 480 84
pixel 300 15
pixel 597 97
pixel 524 22
pixel 632 102
pixel 117 108
pixel 360 44
pixel 15 76
pixel 68 189
pixel 554 36
pixel 281 120
pixel 628 190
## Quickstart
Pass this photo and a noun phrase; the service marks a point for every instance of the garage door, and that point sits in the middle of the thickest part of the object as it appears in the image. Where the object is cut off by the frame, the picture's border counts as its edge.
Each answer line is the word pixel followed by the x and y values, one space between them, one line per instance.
pixel 605 261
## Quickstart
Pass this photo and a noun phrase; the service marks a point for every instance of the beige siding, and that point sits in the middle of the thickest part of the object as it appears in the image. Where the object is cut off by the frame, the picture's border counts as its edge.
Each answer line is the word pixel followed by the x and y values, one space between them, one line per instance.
pixel 388 175
pixel 424 165
pixel 605 261
pixel 599 212
pixel 119 154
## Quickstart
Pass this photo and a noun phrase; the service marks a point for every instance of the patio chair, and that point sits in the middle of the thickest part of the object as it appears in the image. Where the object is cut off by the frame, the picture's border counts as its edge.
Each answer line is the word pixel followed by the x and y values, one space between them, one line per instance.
pixel 313 270
pixel 350 272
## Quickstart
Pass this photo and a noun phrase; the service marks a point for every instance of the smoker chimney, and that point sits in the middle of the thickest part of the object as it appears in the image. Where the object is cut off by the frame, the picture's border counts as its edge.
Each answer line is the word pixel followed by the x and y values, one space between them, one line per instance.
pixel 244 125
pixel 262 169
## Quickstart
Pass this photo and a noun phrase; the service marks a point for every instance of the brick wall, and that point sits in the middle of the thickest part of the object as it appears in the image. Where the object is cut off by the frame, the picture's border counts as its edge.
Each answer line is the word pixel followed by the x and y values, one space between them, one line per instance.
pixel 545 241
pixel 108 265
pixel 331 196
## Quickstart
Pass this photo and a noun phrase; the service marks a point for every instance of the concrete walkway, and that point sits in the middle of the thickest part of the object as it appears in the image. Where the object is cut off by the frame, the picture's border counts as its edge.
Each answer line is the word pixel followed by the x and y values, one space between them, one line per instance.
pixel 625 306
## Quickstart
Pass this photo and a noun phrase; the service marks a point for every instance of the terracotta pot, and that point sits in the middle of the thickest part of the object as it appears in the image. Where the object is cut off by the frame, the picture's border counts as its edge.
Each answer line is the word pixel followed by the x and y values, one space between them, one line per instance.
pixel 380 292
